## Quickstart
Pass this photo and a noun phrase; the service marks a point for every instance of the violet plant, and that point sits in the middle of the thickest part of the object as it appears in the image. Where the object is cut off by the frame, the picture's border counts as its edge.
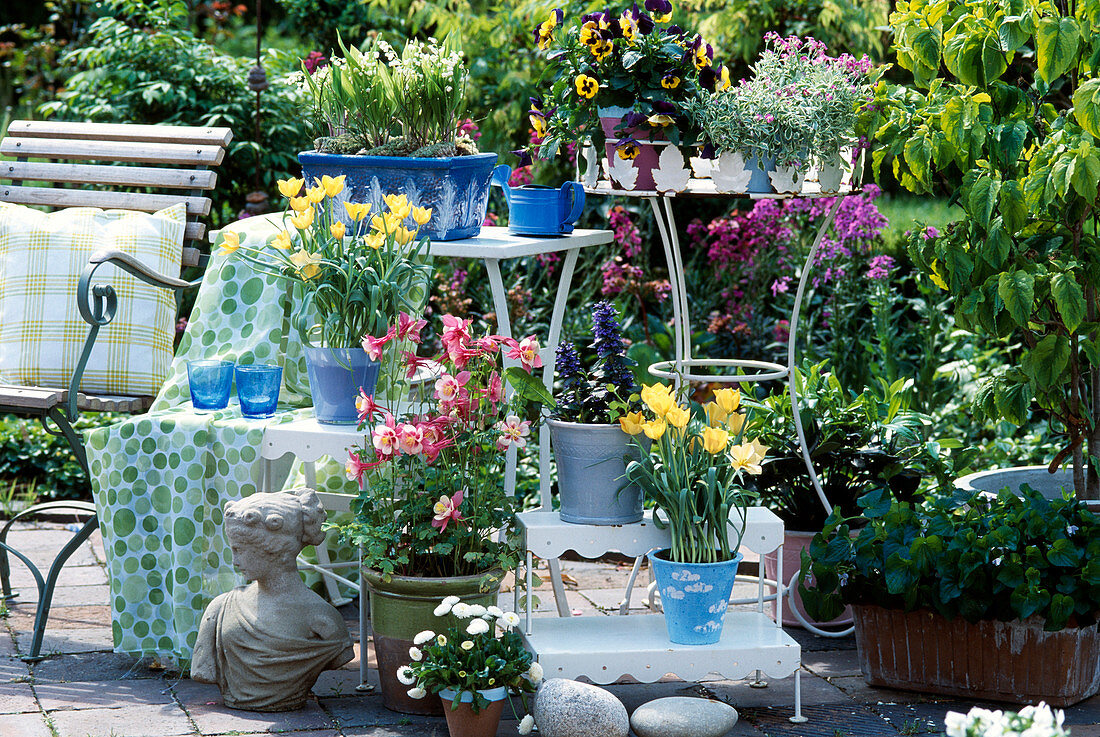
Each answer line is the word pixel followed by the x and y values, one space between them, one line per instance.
pixel 607 391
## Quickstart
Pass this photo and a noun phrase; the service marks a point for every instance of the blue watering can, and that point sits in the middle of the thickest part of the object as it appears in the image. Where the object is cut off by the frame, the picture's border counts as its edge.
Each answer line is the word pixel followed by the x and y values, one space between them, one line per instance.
pixel 536 209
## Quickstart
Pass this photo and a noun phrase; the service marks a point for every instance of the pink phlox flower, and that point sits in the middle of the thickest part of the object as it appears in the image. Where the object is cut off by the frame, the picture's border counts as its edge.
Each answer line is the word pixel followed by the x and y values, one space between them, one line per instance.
pixel 513 431
pixel 373 346
pixel 527 353
pixel 446 510
pixel 385 436
pixel 408 327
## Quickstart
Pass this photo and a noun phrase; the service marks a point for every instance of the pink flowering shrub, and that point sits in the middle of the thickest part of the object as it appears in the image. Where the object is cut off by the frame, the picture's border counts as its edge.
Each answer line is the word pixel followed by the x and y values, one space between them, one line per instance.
pixel 432 471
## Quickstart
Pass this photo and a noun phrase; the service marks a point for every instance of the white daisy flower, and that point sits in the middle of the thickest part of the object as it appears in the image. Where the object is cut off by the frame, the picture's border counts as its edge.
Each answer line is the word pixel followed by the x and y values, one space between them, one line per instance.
pixel 445 606
pixel 423 637
pixel 460 610
pixel 510 619
pixel 476 610
pixel 467 645
pixel 534 674
pixel 495 612
pixel 526 724
pixel 415 654
pixel 477 627
pixel 405 675
pixel 417 693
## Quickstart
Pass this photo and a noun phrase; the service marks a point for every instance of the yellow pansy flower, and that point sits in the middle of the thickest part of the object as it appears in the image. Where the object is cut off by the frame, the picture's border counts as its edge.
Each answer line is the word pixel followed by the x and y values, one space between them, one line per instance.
pixel 631 423
pixel 290 187
pixel 602 50
pixel 399 205
pixel 333 185
pixel 590 34
pixel 660 121
pixel 627 150
pixel 337 229
pixel 587 87
pixel 357 210
pixel 282 241
pixel 376 240
pixel 299 204
pixel 654 429
pixel 306 263
pixel 670 81
pixel 303 220
pixel 315 194
pixel 678 417
pixel 658 398
pixel 422 215
pixel 724 81
pixel 728 399
pixel 230 241
pixel 629 27
pixel 715 440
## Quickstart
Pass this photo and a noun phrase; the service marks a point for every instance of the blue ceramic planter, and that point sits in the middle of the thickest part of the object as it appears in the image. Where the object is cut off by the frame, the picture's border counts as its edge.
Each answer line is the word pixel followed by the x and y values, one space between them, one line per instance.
pixel 760 167
pixel 456 188
pixel 694 596
pixel 335 377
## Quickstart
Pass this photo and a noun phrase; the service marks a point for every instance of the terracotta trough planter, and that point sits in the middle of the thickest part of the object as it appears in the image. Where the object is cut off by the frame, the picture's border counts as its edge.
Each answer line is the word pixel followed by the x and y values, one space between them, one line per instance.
pixel 1002 661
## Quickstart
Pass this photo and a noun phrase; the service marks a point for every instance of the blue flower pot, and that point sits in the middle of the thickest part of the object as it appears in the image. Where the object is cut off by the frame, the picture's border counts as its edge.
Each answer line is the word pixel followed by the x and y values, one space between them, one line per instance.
pixel 456 188
pixel 335 377
pixel 694 596
pixel 760 167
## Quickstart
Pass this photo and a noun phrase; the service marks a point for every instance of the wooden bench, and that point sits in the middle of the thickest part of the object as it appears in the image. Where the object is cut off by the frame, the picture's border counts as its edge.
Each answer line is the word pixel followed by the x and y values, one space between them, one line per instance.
pixel 130 167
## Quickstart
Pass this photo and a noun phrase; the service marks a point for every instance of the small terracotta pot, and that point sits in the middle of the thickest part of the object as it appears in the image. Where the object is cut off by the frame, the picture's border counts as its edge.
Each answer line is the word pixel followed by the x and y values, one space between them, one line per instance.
pixel 463 722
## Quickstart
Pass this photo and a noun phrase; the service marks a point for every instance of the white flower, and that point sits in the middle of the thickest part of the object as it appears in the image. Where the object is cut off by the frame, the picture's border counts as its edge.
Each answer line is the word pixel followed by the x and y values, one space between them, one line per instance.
pixel 423 637
pixel 510 619
pixel 442 640
pixel 526 724
pixel 495 611
pixel 534 674
pixel 477 627
pixel 1071 530
pixel 417 693
pixel 415 654
pixel 460 610
pixel 445 606
pixel 476 610
pixel 405 675
pixel 467 645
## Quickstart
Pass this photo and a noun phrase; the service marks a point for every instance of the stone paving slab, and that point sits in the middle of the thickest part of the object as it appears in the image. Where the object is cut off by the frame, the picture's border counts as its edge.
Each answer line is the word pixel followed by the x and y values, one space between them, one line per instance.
pixel 93 595
pixel 17 698
pixel 61 617
pixel 73 640
pixel 71 574
pixel 104 694
pixel 142 720
pixel 13 669
pixel 100 667
pixel 24 725
pixel 216 719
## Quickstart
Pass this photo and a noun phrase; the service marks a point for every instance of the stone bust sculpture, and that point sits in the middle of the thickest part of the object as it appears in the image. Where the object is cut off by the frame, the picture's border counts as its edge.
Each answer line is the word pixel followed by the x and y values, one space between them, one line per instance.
pixel 265 644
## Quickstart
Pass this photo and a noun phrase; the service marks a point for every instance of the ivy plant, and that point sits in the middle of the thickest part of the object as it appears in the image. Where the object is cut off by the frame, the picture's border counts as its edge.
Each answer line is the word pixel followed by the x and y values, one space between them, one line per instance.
pixel 982 557
pixel 1004 116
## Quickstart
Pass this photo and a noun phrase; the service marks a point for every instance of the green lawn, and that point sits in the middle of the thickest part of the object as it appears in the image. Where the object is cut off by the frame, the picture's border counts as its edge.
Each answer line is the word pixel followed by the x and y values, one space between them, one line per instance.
pixel 902 211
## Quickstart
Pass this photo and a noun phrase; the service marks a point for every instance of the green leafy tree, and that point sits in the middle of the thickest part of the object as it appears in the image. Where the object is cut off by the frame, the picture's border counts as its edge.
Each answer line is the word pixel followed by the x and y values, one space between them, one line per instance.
pixel 1004 115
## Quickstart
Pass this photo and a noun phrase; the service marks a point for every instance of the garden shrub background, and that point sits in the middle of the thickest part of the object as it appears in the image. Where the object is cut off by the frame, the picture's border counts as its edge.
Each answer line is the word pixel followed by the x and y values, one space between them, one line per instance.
pixel 869 314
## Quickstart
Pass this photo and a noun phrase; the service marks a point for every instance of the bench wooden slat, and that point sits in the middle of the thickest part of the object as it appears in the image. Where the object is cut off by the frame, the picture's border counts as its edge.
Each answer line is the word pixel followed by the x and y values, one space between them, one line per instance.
pixel 121 176
pixel 53 197
pixel 191 256
pixel 41 399
pixel 203 135
pixel 127 151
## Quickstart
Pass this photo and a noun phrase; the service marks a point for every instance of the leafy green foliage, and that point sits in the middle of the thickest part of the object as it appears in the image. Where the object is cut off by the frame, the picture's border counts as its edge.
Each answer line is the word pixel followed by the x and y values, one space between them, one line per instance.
pixel 978 557
pixel 32 456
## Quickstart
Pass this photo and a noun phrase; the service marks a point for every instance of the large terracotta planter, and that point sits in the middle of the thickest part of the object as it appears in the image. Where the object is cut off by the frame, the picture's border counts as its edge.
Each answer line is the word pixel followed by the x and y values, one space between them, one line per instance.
pixel 1003 661
pixel 404 606
pixel 794 542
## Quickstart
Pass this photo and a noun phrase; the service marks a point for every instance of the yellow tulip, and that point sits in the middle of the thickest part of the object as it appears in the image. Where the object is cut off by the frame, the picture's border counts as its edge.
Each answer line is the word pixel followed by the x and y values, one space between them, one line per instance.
pixel 728 399
pixel 337 229
pixel 386 223
pixel 230 241
pixel 333 186
pixel 632 422
pixel 658 398
pixel 422 215
pixel 678 417
pixel 715 440
pixel 654 429
pixel 306 263
pixel 303 220
pixel 290 187
pixel 357 210
pixel 745 457
pixel 315 194
pixel 376 240
pixel 282 241
pixel 715 414
pixel 403 235
pixel 399 205
pixel 734 423
pixel 299 204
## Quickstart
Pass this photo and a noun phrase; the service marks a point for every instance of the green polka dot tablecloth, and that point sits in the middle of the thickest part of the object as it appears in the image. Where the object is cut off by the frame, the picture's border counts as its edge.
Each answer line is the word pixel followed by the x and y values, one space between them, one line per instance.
pixel 160 480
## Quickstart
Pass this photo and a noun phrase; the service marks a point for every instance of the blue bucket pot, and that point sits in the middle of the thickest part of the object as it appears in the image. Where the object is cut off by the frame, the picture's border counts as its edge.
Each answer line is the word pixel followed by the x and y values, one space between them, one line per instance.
pixel 335 377
pixel 760 182
pixel 694 596
pixel 456 188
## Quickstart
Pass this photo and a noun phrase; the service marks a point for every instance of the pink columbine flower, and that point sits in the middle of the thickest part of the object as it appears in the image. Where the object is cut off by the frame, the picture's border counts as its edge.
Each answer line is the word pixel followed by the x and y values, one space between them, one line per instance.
pixel 385 437
pixel 450 388
pixel 527 353
pixel 446 510
pixel 513 431
pixel 494 390
pixel 356 467
pixel 411 439
pixel 456 332
pixel 409 327
pixel 413 363
pixel 373 346
pixel 366 406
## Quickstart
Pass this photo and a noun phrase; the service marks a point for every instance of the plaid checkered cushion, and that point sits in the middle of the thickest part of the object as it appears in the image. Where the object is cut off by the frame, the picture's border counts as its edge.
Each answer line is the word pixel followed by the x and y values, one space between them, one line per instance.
pixel 41 332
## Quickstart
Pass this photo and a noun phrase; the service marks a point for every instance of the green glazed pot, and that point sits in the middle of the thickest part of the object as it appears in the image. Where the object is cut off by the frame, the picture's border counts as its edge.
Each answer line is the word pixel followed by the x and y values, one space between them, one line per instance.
pixel 403 607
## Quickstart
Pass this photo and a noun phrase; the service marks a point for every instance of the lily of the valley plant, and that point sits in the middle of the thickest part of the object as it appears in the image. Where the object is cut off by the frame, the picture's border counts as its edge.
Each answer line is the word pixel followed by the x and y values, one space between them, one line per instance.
pixel 353 279
pixel 692 471
pixel 434 502
pixel 482 652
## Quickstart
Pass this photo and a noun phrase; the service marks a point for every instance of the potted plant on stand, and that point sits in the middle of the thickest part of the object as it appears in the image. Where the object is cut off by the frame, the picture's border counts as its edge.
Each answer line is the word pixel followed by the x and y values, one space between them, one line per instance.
pixel 692 473
pixel 1014 137
pixel 938 590
pixel 590 448
pixel 624 78
pixel 393 128
pixel 434 520
pixel 354 280
pixel 473 667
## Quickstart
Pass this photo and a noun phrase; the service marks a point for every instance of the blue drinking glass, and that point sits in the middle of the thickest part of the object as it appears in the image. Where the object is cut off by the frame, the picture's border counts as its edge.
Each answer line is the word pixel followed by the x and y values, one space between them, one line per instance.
pixel 210 382
pixel 258 389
